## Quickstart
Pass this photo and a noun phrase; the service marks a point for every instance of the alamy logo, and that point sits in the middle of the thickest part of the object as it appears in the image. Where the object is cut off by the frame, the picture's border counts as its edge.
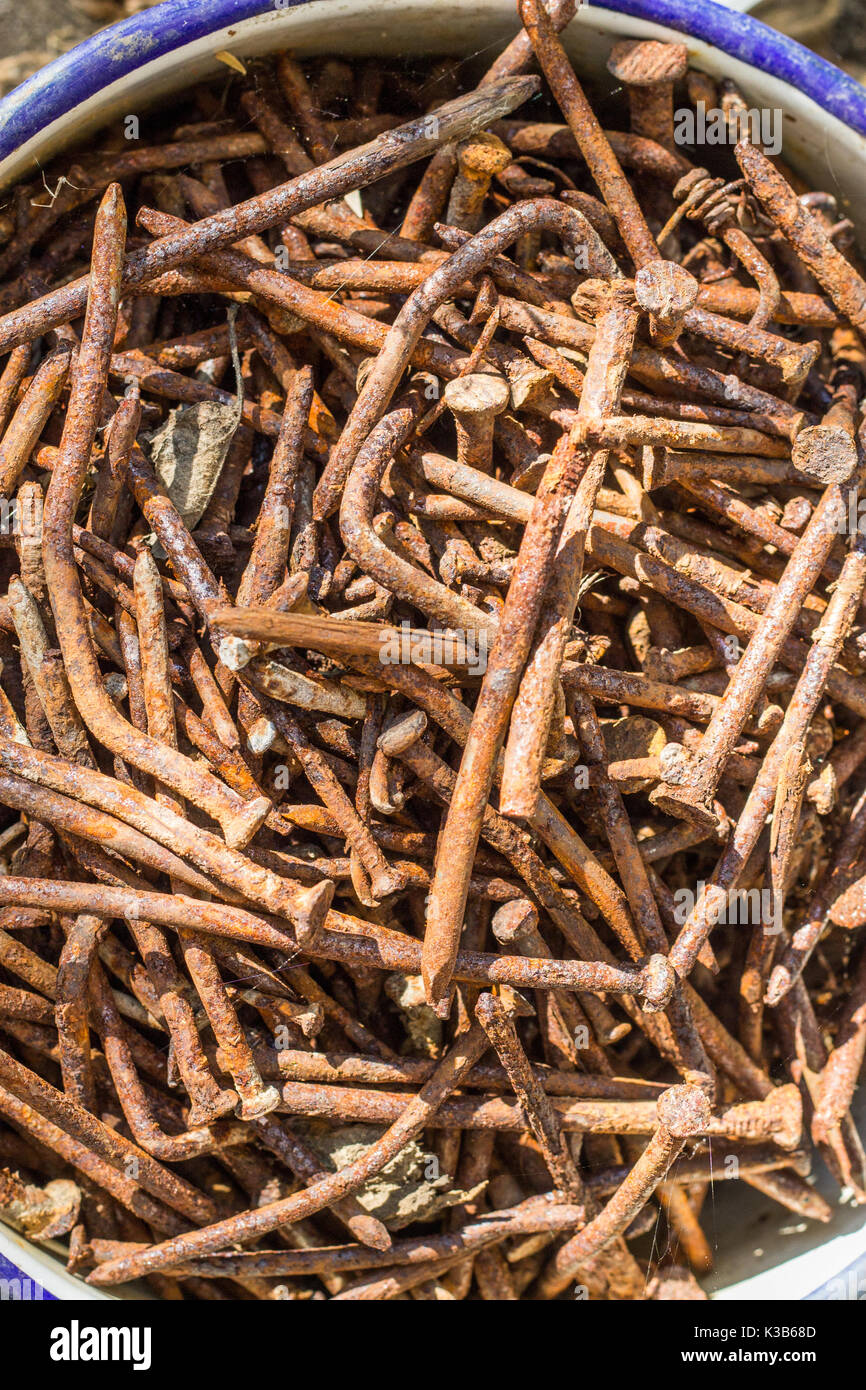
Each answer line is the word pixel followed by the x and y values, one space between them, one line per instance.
pixel 735 907
pixel 20 1291
pixel 713 126
pixel 404 645
pixel 22 517
pixel 847 1287
pixel 77 1343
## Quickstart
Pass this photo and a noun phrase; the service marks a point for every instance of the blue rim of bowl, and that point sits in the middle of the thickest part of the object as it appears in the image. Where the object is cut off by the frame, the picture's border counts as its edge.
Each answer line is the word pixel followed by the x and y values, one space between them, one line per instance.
pixel 121 49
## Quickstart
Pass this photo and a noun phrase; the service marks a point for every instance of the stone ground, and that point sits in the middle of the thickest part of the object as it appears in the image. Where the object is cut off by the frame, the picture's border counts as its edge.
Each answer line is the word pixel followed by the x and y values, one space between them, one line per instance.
pixel 33 32
pixel 850 35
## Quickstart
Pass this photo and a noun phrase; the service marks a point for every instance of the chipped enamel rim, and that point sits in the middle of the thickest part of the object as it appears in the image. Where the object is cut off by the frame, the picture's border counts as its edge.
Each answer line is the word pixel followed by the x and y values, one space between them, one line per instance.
pixel 160 51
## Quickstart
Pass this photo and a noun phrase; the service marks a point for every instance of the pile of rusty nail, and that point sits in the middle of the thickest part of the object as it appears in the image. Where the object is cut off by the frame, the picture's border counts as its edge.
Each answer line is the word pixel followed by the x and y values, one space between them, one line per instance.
pixel 433 694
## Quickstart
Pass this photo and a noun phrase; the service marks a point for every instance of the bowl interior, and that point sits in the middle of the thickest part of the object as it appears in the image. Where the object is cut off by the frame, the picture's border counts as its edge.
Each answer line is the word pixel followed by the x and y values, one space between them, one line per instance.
pixel 762 1251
